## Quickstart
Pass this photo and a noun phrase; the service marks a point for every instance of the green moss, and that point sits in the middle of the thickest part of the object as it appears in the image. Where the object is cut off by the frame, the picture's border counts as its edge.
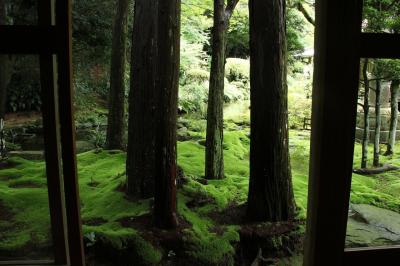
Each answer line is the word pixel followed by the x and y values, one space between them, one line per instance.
pixel 102 175
pixel 119 238
pixel 202 245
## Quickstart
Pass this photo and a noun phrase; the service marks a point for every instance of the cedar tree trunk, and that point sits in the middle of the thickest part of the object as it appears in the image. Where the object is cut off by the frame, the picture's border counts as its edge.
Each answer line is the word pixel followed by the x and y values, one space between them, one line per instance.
pixel 167 100
pixel 5 75
pixel 377 123
pixel 270 192
pixel 140 164
pixel 214 139
pixel 394 113
pixel 116 104
pixel 365 138
pixel 214 161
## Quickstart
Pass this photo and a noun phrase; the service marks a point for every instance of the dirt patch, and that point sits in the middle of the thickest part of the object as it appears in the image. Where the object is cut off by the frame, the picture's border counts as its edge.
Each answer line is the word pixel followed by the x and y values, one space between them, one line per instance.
pixel 95 221
pixel 269 240
pixel 181 178
pixel 121 187
pixel 199 202
pixel 93 183
pixel 171 241
pixel 233 214
pixel 218 230
pixel 267 229
pixel 27 184
pixel 20 119
pixel 5 213
pixel 7 165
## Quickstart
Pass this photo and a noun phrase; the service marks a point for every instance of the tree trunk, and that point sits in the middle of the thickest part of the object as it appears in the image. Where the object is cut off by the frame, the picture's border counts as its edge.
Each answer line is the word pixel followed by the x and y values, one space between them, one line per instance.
pixel 270 192
pixel 167 87
pixel 5 76
pixel 140 164
pixel 365 139
pixel 394 113
pixel 214 161
pixel 214 139
pixel 377 123
pixel 116 104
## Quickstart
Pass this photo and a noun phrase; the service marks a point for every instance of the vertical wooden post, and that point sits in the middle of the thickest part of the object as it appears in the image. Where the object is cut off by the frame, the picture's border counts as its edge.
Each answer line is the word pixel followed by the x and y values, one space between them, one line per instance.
pixel 49 109
pixel 64 28
pixel 335 89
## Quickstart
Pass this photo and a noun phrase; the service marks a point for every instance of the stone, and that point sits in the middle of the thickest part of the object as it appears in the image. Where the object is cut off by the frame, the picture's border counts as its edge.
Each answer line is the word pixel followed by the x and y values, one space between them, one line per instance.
pixel 84 146
pixel 372 226
pixel 27 155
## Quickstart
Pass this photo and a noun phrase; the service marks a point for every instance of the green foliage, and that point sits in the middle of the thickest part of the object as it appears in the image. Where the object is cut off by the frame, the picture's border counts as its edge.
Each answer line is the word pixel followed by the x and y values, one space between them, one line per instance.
pixel 23 93
pixel 92 37
pixel 25 98
pixel 381 16
pixel 295 31
pixel 193 91
pixel 299 100
pixel 237 82
pixel 237 69
pixel 385 69
pixel 21 12
pixel 238 33
pixel 193 97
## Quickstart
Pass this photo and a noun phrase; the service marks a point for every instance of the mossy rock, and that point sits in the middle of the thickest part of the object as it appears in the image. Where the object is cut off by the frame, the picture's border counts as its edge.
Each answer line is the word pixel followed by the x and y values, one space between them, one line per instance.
pixel 372 226
pixel 84 146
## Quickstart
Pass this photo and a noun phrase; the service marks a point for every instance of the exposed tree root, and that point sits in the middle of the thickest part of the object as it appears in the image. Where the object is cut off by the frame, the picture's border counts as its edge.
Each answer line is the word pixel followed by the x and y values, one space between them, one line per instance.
pixel 374 171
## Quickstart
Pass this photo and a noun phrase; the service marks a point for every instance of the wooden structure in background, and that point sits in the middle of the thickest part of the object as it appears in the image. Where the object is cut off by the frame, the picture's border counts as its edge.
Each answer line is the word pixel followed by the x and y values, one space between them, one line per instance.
pixel 51 40
pixel 339 46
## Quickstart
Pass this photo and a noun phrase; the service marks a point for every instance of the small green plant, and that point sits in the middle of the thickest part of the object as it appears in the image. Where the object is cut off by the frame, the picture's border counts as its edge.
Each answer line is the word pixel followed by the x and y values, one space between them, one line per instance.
pixel 98 137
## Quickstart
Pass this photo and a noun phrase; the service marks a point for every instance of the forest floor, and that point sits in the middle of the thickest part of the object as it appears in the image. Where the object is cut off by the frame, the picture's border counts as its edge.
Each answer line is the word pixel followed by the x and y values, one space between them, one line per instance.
pixel 212 230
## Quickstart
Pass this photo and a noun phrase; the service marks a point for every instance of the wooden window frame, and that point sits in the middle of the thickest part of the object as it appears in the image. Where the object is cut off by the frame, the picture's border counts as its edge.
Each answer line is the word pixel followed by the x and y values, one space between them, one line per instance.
pixel 51 39
pixel 339 46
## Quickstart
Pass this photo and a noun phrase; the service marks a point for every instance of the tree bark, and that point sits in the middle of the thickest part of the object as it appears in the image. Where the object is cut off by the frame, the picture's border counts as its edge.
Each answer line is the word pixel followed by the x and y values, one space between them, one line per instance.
pixel 140 164
pixel 167 87
pixel 377 123
pixel 375 171
pixel 153 99
pixel 394 114
pixel 116 104
pixel 214 137
pixel 365 138
pixel 214 161
pixel 5 75
pixel 270 192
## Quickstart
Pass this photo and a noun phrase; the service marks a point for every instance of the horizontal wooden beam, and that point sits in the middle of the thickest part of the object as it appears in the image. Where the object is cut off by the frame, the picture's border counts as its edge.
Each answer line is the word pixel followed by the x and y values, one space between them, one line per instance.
pixel 379 45
pixel 28 39
pixel 388 256
pixel 28 262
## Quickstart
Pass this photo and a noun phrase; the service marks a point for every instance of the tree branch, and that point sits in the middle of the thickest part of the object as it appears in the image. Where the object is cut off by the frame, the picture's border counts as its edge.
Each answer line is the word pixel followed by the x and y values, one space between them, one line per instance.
pixel 307 16
pixel 230 7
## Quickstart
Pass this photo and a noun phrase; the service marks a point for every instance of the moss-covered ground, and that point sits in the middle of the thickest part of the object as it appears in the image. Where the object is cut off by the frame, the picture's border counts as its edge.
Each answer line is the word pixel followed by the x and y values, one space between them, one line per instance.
pixel 206 238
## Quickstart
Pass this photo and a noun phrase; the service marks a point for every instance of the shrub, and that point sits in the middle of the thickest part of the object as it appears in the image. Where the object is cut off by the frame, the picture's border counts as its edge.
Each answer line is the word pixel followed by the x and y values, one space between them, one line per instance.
pixel 237 69
pixel 193 97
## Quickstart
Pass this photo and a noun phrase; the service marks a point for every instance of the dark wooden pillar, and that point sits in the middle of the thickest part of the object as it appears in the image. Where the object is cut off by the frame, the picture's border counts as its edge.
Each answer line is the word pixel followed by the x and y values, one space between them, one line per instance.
pixel 335 89
pixel 67 122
